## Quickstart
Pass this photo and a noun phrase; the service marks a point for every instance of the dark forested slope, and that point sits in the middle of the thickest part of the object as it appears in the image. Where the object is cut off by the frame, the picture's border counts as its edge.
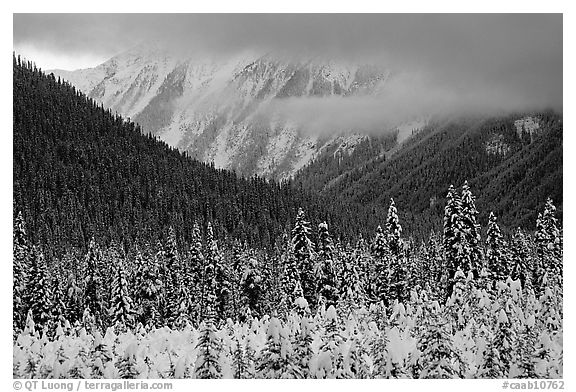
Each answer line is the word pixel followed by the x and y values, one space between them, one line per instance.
pixel 511 167
pixel 81 171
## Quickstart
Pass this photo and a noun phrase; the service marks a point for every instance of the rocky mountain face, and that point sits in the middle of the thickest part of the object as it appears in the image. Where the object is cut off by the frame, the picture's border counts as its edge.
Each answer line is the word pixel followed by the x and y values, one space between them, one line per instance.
pixel 229 111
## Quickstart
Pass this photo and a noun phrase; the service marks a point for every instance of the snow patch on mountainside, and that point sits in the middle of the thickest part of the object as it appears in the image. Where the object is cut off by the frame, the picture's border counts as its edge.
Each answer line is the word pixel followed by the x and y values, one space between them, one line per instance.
pixel 527 124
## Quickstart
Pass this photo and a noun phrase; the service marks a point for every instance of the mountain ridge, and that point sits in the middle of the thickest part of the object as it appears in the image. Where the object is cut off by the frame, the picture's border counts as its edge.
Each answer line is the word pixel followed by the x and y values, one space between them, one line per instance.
pixel 227 111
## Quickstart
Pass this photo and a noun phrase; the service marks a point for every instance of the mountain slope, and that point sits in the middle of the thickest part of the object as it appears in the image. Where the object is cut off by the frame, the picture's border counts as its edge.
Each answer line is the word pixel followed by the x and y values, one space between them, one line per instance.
pixel 227 111
pixel 81 171
pixel 513 163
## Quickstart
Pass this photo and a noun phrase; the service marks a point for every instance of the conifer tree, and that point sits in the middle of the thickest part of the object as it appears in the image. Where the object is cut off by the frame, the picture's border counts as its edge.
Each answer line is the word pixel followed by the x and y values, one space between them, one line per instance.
pixel 93 282
pixel 303 253
pixel 216 272
pixel 303 352
pixel 548 241
pixel 20 265
pixel 122 308
pixel 275 359
pixel 499 350
pixel 523 266
pixel 172 277
pixel 439 357
pixel 146 290
pixel 195 276
pixel 471 232
pixel 393 231
pixel 497 260
pixel 251 282
pixel 351 291
pixel 40 298
pixel 378 284
pixel 209 344
pixel 127 364
pixel 239 360
pixel 330 356
pixel 59 307
pixel 325 272
pixel 453 240
pixel 398 274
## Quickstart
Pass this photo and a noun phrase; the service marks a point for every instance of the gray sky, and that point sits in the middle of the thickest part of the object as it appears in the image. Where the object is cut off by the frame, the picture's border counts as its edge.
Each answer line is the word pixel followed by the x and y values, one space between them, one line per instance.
pixel 504 57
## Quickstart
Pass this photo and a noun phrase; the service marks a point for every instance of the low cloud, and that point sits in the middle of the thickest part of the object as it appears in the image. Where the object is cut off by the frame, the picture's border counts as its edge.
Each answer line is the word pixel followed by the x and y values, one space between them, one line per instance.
pixel 403 98
pixel 440 63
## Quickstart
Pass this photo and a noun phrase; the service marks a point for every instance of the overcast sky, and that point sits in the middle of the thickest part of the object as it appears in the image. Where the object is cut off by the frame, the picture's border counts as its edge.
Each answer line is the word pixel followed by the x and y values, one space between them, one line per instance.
pixel 512 56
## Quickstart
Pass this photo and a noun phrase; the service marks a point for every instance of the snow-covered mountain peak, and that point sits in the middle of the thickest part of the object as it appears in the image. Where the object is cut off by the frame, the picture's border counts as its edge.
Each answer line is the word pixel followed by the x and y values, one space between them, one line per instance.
pixel 225 109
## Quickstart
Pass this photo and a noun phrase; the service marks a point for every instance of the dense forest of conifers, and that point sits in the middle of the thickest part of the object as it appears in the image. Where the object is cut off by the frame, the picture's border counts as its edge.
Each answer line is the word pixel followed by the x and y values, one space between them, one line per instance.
pixel 81 171
pixel 118 270
pixel 448 151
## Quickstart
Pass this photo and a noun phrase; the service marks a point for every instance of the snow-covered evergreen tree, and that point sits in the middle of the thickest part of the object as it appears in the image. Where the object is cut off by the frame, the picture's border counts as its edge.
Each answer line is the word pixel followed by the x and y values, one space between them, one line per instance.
pixel 453 240
pixel 172 278
pixel 352 293
pixel 378 284
pixel 38 290
pixel 20 267
pixel 93 282
pixel 439 357
pixel 303 252
pixel 127 364
pixel 330 356
pixel 146 290
pixel 497 261
pixel 251 283
pixel 548 241
pixel 325 271
pixel 523 265
pixel 471 232
pixel 217 273
pixel 194 278
pixel 275 360
pixel 209 343
pixel 121 308
pixel 393 230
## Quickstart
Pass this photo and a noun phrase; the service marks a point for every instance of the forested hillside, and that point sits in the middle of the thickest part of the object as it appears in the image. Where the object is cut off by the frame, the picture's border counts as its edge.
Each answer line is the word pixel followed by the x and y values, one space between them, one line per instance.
pixel 513 162
pixel 82 171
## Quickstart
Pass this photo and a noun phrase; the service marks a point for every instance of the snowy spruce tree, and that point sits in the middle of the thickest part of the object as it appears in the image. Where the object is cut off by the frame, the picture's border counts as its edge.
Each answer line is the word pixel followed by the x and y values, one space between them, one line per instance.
pixel 378 282
pixel 325 270
pixel 209 343
pixel 393 231
pixel 497 259
pixel 194 278
pixel 351 295
pixel 217 273
pixel 93 286
pixel 453 240
pixel 548 241
pixel 472 253
pixel 330 356
pixel 20 267
pixel 121 307
pixel 275 360
pixel 398 274
pixel 39 290
pixel 172 277
pixel 303 253
pixel 523 266
pixel 251 283
pixel 439 357
pixel 146 290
